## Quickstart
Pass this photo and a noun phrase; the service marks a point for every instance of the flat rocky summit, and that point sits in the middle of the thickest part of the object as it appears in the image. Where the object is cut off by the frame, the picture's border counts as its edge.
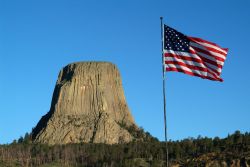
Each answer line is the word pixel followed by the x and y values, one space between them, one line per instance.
pixel 88 105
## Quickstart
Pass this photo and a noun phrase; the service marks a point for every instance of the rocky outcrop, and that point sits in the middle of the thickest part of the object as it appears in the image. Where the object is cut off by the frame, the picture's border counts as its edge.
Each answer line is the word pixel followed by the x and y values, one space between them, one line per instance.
pixel 215 160
pixel 88 105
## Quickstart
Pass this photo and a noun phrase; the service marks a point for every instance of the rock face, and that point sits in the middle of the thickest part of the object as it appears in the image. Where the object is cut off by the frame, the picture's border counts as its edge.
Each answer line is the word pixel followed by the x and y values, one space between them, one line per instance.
pixel 88 105
pixel 227 159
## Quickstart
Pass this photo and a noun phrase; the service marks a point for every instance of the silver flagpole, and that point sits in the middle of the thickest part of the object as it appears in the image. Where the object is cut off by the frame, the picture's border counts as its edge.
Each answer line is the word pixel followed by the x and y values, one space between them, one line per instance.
pixel 164 91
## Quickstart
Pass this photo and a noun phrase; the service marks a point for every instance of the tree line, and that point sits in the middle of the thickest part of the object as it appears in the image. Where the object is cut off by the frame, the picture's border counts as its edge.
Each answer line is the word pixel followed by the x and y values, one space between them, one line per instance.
pixel 150 152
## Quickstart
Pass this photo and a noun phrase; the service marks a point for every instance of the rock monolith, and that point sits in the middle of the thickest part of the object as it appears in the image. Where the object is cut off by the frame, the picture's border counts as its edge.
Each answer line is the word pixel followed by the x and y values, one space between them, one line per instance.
pixel 88 106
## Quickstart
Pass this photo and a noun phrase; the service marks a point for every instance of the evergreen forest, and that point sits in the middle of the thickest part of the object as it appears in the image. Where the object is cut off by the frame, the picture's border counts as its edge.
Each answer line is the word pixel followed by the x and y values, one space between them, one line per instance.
pixel 235 148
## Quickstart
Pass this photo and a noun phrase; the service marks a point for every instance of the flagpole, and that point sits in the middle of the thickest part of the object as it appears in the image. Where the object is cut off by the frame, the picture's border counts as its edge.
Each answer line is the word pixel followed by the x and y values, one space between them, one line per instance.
pixel 164 92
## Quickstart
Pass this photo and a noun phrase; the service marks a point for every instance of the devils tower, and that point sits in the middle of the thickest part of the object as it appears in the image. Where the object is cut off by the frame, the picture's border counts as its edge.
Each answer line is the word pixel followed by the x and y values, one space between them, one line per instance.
pixel 88 105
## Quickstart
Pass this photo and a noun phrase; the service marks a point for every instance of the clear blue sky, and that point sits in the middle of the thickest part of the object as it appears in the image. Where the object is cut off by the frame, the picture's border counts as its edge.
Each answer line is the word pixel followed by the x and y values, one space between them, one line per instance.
pixel 38 38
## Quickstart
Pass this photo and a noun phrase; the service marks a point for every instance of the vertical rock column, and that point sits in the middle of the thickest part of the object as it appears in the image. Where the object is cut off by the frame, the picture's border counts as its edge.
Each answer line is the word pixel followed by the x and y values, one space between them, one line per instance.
pixel 88 105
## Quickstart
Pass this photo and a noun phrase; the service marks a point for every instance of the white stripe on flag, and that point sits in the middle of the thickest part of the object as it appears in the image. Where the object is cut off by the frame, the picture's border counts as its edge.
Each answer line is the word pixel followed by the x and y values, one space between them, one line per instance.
pixel 207 57
pixel 211 46
pixel 211 52
pixel 202 73
pixel 188 62
pixel 186 54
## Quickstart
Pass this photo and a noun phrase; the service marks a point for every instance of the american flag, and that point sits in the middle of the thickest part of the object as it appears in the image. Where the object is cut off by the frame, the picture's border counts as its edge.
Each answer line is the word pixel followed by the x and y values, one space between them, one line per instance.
pixel 192 56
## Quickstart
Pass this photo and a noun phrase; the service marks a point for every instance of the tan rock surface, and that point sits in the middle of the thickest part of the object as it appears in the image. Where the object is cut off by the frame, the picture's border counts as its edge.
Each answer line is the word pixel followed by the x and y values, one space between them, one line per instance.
pixel 88 105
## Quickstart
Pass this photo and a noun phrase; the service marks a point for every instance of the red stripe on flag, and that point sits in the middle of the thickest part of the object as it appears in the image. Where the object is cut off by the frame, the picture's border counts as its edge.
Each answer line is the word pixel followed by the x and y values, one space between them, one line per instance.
pixel 205 59
pixel 210 49
pixel 192 67
pixel 183 57
pixel 205 41
pixel 202 60
pixel 208 53
pixel 193 74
